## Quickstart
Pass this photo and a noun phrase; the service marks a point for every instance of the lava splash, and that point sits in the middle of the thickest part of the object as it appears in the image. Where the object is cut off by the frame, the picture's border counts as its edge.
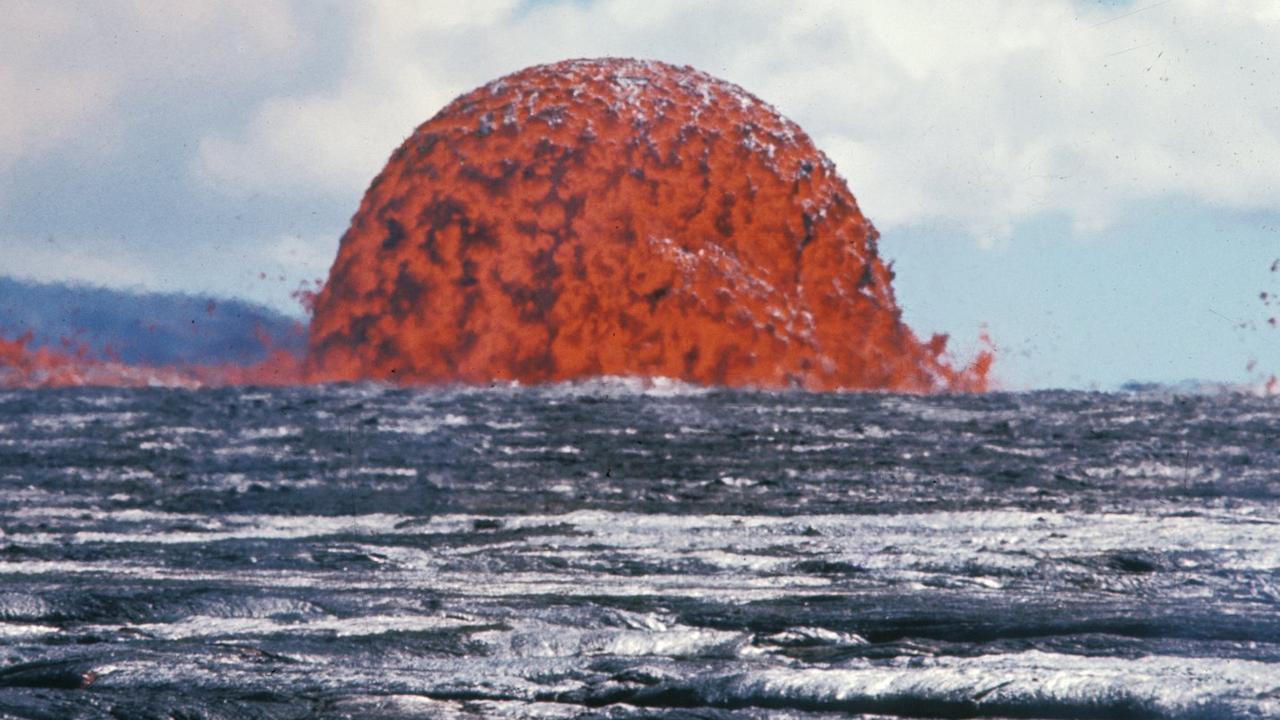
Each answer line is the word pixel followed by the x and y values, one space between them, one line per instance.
pixel 617 217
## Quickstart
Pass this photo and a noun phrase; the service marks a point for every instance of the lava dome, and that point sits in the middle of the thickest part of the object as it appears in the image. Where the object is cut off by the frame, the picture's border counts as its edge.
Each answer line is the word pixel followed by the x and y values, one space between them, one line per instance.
pixel 616 217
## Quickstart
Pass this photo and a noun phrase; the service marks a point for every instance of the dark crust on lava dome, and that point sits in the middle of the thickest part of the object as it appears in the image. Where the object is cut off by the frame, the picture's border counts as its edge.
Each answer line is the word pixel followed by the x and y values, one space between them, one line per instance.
pixel 614 217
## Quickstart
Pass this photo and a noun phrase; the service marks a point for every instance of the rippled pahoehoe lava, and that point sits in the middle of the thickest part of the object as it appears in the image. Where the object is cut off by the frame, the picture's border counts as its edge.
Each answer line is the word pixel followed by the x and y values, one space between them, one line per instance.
pixel 616 217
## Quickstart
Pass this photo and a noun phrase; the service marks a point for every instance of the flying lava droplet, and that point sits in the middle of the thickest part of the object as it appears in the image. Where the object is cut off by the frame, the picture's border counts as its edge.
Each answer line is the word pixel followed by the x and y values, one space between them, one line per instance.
pixel 617 217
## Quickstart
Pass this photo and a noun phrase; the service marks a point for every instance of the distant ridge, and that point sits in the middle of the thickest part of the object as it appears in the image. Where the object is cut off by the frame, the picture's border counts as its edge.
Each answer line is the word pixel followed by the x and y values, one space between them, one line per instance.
pixel 142 327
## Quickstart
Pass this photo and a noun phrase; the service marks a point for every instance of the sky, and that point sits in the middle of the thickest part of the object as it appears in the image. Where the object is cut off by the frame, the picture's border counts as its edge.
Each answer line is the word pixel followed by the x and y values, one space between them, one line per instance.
pixel 1095 184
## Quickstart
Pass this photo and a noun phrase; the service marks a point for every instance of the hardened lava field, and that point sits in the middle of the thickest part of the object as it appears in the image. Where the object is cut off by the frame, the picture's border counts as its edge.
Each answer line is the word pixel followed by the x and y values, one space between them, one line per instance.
pixel 616 217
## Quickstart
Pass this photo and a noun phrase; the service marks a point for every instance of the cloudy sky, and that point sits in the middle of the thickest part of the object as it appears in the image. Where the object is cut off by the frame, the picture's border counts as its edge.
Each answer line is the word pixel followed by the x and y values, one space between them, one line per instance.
pixel 1098 183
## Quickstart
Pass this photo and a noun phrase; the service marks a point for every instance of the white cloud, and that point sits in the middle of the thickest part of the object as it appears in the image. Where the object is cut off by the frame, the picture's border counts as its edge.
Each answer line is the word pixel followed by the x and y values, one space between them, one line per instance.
pixel 43 104
pixel 63 260
pixel 974 116
pixel 69 72
pixel 334 141
pixel 325 142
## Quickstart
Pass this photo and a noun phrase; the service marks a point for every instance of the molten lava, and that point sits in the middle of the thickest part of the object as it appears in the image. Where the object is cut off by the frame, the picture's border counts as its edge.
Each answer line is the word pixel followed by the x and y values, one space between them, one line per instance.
pixel 616 217
pixel 25 366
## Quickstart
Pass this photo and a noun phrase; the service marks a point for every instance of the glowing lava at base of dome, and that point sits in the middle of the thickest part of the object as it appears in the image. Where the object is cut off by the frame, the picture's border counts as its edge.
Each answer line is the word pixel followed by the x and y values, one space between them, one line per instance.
pixel 25 366
pixel 617 217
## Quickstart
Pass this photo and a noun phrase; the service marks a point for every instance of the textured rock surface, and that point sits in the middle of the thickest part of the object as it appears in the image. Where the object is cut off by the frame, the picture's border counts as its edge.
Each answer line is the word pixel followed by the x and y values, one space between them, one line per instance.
pixel 616 217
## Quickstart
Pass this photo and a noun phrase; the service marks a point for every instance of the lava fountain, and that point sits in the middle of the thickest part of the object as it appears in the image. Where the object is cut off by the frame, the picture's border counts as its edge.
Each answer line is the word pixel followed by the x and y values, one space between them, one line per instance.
pixel 588 218
pixel 616 217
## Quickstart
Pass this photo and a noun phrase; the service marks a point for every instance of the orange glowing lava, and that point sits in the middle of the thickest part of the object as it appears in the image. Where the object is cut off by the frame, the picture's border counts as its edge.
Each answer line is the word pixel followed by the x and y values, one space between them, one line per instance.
pixel 617 217
pixel 24 366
